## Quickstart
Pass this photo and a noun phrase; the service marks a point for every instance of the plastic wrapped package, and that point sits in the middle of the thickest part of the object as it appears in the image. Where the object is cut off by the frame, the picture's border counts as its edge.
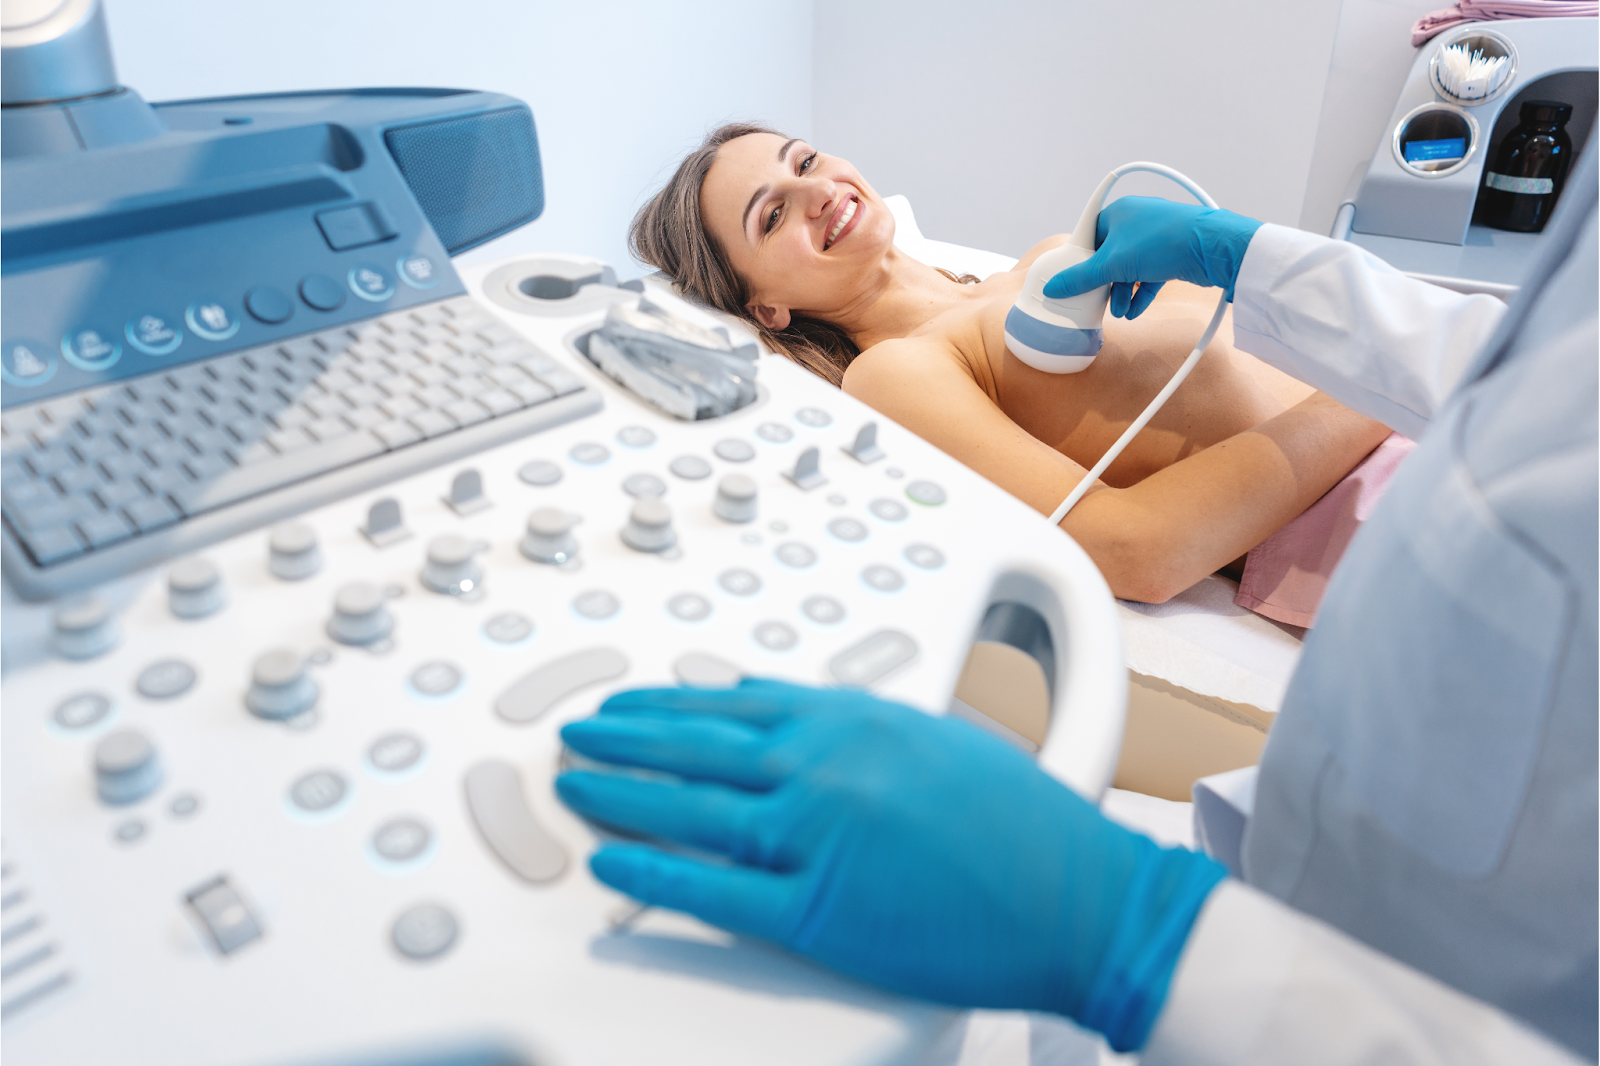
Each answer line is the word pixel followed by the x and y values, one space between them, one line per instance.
pixel 676 366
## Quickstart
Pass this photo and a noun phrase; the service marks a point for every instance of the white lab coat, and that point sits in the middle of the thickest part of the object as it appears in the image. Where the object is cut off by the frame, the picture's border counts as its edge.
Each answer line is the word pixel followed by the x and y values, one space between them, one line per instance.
pixel 1421 860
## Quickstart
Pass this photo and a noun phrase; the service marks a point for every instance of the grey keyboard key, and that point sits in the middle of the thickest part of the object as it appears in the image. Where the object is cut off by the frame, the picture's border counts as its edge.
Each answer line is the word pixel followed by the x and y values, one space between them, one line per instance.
pixel 396 434
pixel 118 494
pixel 507 823
pixel 151 513
pixel 431 423
pixel 499 401
pixel 402 406
pixel 873 658
pixel 326 429
pixel 52 544
pixel 435 396
pixel 531 392
pixel 543 687
pixel 24 492
pixel 467 412
pixel 286 441
pixel 104 528
pixel 269 474
pixel 560 380
pixel 76 480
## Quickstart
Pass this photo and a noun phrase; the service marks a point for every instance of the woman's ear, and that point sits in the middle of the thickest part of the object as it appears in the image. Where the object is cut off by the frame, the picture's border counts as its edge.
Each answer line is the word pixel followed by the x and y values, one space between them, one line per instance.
pixel 774 318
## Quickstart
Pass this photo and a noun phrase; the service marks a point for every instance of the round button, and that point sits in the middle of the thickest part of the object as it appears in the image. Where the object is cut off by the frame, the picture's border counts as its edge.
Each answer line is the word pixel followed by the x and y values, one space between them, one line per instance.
pixel 635 436
pixel 424 932
pixel 126 767
pixel 775 432
pixel 837 500
pixel 508 628
pixel 437 678
pixel 925 556
pixel 130 832
pixel 736 499
pixel 82 710
pixel 211 319
pixel 848 529
pixel 823 610
pixel 883 578
pixel 649 527
pixel 268 305
pixel 926 492
pixel 690 467
pixel 194 588
pixel 318 791
pixel 165 680
pixel 689 607
pixel 292 552
pixel 734 450
pixel 794 554
pixel 894 472
pixel 739 582
pixel 360 615
pixel 153 334
pixel 888 510
pixel 641 485
pixel 85 628
pixel 401 839
pixel 776 636
pixel 280 687
pixel 815 417
pixel 417 270
pixel 370 282
pixel 184 805
pixel 597 604
pixel 451 567
pixel 395 753
pixel 89 349
pixel 321 292
pixel 539 473
pixel 548 537
pixel 27 363
pixel 589 453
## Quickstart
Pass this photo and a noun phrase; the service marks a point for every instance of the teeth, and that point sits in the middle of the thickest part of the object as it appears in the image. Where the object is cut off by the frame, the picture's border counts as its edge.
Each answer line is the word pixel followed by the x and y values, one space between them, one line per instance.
pixel 844 219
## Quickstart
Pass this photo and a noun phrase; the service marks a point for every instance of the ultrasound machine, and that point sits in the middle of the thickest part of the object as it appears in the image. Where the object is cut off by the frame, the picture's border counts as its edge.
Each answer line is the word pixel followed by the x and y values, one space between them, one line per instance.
pixel 312 543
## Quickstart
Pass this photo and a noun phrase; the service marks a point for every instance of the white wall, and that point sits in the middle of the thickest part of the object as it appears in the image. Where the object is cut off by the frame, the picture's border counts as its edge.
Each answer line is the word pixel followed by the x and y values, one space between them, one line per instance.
pixel 619 89
pixel 998 119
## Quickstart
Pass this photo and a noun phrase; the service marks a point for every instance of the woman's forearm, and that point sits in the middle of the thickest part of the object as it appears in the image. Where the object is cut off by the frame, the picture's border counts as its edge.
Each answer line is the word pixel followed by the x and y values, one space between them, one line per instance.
pixel 1154 539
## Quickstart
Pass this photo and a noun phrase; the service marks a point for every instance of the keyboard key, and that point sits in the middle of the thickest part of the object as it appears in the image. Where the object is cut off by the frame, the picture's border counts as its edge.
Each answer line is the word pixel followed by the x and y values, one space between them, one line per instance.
pixel 76 479
pixel 499 401
pixel 53 544
pixel 431 423
pixel 363 417
pixel 436 396
pixel 396 434
pixel 269 474
pixel 402 406
pixel 467 412
pixel 530 392
pixel 119 494
pixel 107 527
pixel 24 492
pixel 288 440
pixel 326 429
pixel 152 512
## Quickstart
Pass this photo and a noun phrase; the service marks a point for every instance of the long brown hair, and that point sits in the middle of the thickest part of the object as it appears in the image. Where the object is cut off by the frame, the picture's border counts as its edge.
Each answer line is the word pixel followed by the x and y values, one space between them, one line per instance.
pixel 670 234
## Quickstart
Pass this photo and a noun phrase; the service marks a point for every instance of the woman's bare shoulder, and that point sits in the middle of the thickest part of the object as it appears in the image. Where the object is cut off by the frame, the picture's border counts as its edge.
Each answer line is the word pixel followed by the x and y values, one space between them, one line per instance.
pixel 1039 249
pixel 888 375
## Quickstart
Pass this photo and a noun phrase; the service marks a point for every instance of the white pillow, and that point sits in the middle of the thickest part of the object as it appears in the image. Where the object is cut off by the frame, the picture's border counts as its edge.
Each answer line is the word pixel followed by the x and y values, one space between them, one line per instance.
pixel 956 258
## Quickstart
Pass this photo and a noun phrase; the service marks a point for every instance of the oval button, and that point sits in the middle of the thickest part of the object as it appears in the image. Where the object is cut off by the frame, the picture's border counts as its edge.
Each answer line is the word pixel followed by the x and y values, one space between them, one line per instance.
pixel 27 362
pixel 153 334
pixel 370 282
pixel 89 349
pixel 211 319
pixel 321 292
pixel 268 305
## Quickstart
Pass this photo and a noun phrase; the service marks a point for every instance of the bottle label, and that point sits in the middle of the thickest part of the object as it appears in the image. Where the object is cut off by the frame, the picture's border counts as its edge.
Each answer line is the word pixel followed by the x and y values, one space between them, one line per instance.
pixel 1507 183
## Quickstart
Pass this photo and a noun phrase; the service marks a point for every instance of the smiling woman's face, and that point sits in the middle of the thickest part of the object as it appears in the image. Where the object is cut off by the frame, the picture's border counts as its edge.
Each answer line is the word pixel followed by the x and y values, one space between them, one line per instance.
pixel 804 230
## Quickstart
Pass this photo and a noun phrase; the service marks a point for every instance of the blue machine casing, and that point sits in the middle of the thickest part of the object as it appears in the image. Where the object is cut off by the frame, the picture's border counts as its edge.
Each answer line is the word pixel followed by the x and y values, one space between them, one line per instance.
pixel 246 221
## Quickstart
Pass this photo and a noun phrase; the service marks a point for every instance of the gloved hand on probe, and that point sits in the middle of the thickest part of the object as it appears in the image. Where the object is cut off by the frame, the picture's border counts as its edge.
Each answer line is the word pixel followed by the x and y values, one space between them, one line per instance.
pixel 1150 241
pixel 915 852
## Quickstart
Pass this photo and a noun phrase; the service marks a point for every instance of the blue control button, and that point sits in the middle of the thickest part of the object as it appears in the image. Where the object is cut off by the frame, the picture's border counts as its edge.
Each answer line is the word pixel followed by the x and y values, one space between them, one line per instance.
pixel 212 320
pixel 153 335
pixel 418 271
pixel 89 349
pixel 370 282
pixel 268 305
pixel 321 292
pixel 27 362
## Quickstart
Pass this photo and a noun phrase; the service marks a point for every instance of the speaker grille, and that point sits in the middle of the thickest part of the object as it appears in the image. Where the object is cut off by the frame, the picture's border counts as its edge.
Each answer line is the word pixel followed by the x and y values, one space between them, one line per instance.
pixel 475 177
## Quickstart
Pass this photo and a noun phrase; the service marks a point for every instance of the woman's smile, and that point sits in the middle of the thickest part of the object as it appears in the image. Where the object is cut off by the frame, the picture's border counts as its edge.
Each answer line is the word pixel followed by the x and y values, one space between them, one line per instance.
pixel 843 221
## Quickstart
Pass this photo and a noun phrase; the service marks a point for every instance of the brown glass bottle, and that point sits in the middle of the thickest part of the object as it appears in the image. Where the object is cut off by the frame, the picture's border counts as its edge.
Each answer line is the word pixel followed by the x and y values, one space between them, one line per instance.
pixel 1520 190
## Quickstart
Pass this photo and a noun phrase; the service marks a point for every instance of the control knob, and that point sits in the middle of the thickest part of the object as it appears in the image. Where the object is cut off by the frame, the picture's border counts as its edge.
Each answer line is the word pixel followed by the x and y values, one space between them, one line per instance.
pixel 85 628
pixel 649 527
pixel 451 567
pixel 194 588
pixel 293 553
pixel 360 615
pixel 549 536
pixel 126 767
pixel 736 499
pixel 280 687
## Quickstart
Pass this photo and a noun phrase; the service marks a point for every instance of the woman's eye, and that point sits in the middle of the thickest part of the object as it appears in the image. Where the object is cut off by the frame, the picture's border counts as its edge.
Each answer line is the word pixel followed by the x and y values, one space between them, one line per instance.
pixel 805 164
pixel 772 220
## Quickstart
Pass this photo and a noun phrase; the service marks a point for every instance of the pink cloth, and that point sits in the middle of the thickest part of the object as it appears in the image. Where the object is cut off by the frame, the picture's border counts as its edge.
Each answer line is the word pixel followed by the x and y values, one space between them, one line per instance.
pixel 1286 574
pixel 1436 22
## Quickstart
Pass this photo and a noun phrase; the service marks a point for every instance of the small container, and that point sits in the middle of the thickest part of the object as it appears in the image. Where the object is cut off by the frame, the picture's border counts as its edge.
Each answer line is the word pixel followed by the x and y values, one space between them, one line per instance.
pixel 1521 188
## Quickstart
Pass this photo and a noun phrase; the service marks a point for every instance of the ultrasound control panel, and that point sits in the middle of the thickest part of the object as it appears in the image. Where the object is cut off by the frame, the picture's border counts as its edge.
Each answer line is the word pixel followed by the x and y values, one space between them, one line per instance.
pixel 287 799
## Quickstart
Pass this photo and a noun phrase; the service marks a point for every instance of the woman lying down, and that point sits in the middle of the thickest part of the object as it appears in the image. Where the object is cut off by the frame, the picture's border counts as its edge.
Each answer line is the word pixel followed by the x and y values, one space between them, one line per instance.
pixel 798 244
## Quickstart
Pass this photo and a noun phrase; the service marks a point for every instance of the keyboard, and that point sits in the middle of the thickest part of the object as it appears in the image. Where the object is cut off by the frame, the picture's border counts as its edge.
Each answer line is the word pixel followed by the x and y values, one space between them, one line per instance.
pixel 103 481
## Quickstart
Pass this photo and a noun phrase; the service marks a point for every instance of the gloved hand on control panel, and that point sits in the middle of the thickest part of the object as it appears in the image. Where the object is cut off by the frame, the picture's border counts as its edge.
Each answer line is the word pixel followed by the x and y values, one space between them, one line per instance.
pixel 915 852
pixel 1148 241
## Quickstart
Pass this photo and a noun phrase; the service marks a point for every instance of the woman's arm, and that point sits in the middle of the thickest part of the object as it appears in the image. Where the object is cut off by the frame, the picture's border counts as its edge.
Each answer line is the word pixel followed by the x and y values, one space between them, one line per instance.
pixel 1153 539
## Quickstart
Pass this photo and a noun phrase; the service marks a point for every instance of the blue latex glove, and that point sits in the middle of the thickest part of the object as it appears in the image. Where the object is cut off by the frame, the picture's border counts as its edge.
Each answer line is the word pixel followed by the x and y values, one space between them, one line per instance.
pixel 915 852
pixel 1148 241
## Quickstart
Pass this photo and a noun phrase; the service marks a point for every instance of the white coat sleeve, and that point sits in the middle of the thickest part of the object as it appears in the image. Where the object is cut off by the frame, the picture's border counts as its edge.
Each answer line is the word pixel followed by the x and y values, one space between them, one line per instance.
pixel 1261 983
pixel 1344 321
